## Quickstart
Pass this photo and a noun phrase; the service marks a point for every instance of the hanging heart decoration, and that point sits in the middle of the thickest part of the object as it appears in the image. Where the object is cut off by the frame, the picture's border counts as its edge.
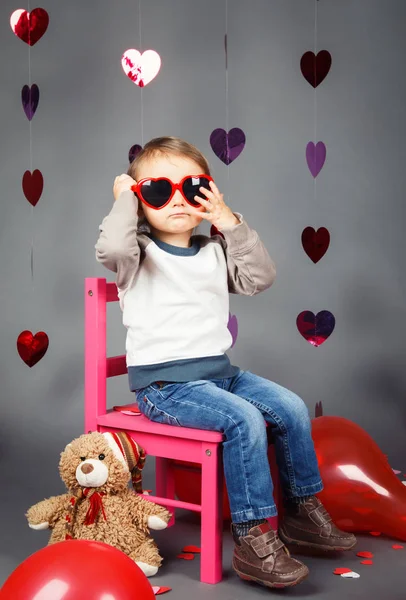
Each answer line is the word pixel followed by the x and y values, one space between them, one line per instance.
pixel 315 243
pixel 33 184
pixel 30 99
pixel 315 68
pixel 315 157
pixel 141 68
pixel 215 231
pixel 29 26
pixel 315 328
pixel 227 146
pixel 233 327
pixel 133 152
pixel 32 348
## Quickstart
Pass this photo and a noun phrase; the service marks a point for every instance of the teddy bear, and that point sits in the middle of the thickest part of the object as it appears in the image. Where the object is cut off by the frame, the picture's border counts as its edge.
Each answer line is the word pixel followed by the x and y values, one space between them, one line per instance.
pixel 96 469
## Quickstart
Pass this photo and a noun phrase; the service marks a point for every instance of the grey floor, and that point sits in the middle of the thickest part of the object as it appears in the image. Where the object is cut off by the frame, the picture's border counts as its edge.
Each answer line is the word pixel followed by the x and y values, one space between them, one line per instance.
pixel 382 580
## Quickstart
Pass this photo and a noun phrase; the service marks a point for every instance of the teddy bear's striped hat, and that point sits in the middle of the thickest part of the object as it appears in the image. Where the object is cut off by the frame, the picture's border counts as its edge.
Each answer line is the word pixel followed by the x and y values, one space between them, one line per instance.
pixel 127 451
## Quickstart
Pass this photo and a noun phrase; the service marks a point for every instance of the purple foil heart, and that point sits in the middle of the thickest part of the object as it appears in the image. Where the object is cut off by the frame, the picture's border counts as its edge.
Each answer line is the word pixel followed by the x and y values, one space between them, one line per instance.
pixel 315 328
pixel 30 99
pixel 134 150
pixel 227 146
pixel 233 327
pixel 315 156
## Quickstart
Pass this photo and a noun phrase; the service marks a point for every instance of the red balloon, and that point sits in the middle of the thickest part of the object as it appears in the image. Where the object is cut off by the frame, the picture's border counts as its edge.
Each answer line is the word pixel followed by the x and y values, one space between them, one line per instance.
pixel 77 569
pixel 361 491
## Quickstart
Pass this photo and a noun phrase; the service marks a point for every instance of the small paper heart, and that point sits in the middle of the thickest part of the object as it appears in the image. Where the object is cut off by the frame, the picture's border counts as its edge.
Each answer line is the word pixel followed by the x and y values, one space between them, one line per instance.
pixel 133 152
pixel 128 409
pixel 215 231
pixel 29 26
pixel 315 243
pixel 30 99
pixel 341 570
pixel 365 554
pixel 315 67
pixel 233 327
pixel 315 157
pixel 351 575
pixel 227 146
pixel 315 328
pixel 160 589
pixel 397 547
pixel 32 348
pixel 33 184
pixel 191 549
pixel 366 562
pixel 186 556
pixel 375 533
pixel 141 68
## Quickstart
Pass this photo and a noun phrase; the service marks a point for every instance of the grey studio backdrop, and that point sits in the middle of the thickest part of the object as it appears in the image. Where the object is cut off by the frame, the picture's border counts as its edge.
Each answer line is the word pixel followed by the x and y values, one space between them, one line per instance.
pixel 89 115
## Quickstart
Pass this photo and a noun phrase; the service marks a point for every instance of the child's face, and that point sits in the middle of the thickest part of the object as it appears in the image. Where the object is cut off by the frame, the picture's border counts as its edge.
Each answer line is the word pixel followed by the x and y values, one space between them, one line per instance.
pixel 162 224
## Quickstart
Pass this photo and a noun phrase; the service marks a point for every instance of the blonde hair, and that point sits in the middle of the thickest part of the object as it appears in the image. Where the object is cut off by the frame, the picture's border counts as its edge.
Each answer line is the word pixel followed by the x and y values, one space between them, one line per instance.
pixel 167 145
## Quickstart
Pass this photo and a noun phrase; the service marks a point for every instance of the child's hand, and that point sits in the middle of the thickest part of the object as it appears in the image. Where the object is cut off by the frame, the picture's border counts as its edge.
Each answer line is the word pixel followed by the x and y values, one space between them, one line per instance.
pixel 217 211
pixel 122 183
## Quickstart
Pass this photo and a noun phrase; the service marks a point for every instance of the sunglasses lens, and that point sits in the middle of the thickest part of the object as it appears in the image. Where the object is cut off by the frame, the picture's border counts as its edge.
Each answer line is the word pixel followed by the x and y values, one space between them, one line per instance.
pixel 156 193
pixel 191 187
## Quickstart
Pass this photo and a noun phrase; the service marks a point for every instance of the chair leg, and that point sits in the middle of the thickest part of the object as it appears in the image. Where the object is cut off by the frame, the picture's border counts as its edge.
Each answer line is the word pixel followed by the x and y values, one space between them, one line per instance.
pixel 165 482
pixel 211 553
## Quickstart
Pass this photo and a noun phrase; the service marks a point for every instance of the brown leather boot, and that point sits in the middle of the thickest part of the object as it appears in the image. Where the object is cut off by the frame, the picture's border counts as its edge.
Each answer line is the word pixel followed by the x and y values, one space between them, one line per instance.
pixel 260 556
pixel 309 525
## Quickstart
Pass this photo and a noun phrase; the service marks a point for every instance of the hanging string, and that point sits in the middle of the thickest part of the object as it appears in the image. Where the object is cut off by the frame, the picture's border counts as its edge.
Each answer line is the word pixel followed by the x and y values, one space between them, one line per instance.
pixel 315 93
pixel 226 84
pixel 140 49
pixel 30 150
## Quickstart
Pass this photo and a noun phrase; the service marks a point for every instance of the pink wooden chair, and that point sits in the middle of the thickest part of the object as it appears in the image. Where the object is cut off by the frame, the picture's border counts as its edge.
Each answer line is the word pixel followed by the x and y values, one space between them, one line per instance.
pixel 165 442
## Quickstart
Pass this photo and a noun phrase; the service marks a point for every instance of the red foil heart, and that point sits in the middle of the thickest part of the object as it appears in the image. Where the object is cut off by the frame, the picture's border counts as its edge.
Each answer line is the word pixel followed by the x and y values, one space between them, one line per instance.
pixel 33 184
pixel 315 328
pixel 315 243
pixel 32 348
pixel 29 27
pixel 315 68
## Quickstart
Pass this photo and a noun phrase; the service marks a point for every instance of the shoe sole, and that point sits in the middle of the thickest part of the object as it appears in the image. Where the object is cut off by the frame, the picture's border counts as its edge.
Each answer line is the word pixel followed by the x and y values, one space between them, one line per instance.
pixel 270 584
pixel 291 543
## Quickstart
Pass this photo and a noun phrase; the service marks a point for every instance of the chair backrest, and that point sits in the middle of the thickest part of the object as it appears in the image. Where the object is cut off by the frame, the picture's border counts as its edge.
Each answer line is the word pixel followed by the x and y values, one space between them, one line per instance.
pixel 98 367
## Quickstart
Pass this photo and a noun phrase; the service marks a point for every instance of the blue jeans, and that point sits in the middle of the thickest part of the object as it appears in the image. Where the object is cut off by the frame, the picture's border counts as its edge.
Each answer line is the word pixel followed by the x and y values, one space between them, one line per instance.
pixel 237 407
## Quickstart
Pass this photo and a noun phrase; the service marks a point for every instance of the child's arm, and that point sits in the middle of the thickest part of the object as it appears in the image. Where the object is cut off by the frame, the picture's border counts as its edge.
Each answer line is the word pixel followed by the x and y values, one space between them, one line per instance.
pixel 117 247
pixel 250 268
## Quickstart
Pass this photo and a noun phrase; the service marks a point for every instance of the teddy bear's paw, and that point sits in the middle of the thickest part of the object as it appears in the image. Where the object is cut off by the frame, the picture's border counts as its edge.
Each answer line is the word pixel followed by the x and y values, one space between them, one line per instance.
pixel 148 570
pixel 156 523
pixel 39 526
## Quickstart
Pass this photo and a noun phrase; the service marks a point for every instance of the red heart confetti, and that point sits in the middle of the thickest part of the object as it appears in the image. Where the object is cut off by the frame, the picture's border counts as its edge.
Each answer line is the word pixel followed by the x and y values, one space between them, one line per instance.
pixel 375 533
pixel 186 556
pixel 367 562
pixel 128 409
pixel 397 547
pixel 160 590
pixel 32 348
pixel 365 554
pixel 341 570
pixel 191 549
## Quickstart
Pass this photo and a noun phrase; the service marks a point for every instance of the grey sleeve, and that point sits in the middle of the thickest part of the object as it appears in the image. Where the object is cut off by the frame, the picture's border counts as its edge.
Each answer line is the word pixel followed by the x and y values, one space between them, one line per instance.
pixel 117 247
pixel 250 269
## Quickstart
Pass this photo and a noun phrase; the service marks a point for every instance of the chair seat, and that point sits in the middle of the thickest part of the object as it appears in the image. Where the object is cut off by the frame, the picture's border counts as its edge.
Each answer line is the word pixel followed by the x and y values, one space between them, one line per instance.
pixel 117 420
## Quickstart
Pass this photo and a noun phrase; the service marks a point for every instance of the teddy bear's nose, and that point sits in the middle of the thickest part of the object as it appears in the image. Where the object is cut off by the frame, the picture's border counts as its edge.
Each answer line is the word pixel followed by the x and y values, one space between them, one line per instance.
pixel 86 468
